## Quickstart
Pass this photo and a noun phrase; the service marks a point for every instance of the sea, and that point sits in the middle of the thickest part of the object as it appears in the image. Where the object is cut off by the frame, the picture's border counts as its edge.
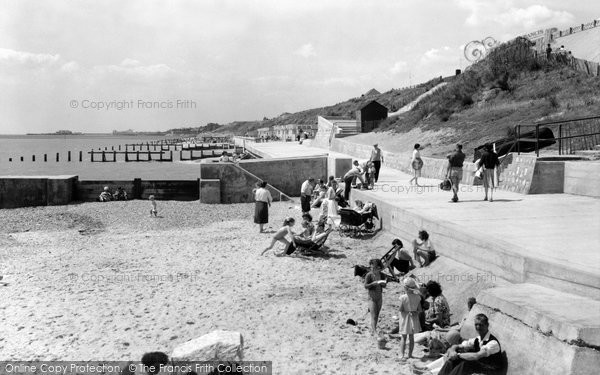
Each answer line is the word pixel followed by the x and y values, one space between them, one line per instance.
pixel 16 146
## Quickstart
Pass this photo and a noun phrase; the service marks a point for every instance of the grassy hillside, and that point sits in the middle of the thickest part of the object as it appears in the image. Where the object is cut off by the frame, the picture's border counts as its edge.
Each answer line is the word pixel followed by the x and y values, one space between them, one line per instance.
pixel 507 88
pixel 393 99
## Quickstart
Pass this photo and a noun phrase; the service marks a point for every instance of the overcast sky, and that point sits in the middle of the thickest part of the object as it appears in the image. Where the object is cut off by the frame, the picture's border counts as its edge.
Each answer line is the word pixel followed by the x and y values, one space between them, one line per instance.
pixel 234 60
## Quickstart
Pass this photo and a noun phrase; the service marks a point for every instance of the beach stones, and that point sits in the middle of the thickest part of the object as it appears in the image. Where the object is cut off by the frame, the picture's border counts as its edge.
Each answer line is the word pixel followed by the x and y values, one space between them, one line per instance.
pixel 217 345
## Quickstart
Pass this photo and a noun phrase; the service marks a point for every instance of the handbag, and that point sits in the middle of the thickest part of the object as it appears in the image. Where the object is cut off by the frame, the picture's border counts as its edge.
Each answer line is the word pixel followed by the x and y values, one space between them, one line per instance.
pixel 446 184
pixel 479 173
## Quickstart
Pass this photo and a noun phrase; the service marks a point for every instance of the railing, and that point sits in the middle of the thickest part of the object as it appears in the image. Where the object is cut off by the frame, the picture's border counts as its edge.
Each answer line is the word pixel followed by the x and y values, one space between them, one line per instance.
pixel 573 30
pixel 573 135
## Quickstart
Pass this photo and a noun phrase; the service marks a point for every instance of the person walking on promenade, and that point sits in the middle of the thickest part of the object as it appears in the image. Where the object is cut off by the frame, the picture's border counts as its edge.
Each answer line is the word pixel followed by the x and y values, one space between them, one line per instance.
pixel 306 193
pixel 489 161
pixel 377 159
pixel 263 199
pixel 349 176
pixel 456 160
pixel 416 163
pixel 479 355
pixel 410 306
pixel 374 282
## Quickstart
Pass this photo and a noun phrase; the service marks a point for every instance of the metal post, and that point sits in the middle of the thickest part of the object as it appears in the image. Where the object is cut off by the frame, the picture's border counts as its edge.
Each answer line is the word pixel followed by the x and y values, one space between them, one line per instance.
pixel 537 140
pixel 114 156
pixel 560 139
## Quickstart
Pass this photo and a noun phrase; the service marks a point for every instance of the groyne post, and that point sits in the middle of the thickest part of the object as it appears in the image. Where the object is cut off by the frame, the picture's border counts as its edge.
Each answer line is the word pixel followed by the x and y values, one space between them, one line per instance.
pixel 80 156
pixel 68 155
pixel 21 158
pixel 57 156
pixel 114 156
pixel 32 157
pixel 103 156
pixel 138 155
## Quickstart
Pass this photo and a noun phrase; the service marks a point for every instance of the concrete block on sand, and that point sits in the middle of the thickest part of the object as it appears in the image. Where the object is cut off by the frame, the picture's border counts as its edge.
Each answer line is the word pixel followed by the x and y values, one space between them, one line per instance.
pixel 568 317
pixel 215 346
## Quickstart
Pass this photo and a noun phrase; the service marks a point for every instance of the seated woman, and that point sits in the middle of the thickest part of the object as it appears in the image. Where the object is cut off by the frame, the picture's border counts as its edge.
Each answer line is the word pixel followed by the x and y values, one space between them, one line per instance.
pixel 423 249
pixel 438 313
pixel 311 233
pixel 319 194
pixel 120 194
pixel 105 196
pixel 398 259
pixel 224 157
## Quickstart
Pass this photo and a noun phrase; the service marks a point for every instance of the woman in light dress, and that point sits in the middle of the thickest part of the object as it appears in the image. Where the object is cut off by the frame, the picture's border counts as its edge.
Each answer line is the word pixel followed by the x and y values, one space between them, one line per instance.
pixel 417 164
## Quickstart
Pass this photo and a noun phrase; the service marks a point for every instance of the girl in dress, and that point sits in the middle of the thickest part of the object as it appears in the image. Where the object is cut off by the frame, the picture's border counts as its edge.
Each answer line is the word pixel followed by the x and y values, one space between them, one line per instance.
pixel 410 306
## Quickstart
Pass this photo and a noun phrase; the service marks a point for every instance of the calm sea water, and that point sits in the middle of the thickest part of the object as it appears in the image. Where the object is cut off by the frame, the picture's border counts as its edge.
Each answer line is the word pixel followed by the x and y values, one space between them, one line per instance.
pixel 15 146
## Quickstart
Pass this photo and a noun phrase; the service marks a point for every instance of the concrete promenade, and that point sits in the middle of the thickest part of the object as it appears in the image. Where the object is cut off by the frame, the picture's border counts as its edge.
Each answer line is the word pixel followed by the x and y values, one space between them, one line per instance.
pixel 561 232
pixel 545 245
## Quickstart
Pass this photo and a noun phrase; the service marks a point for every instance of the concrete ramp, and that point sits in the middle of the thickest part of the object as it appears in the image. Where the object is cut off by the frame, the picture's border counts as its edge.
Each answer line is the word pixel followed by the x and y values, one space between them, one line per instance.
pixel 412 104
pixel 583 45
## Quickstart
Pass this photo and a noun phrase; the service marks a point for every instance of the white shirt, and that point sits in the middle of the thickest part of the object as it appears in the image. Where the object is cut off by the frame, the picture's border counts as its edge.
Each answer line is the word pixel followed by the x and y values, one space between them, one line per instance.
pixel 355 171
pixel 490 348
pixel 306 188
pixel 263 195
pixel 416 155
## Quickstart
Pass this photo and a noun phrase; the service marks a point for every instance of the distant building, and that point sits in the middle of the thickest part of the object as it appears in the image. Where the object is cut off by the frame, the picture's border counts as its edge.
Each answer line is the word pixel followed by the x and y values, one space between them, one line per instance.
pixel 264 132
pixel 370 115
pixel 290 131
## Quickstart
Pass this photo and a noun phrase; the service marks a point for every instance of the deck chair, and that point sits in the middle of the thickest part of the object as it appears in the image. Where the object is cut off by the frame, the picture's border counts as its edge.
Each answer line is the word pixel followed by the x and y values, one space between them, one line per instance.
pixel 363 270
pixel 307 246
pixel 355 224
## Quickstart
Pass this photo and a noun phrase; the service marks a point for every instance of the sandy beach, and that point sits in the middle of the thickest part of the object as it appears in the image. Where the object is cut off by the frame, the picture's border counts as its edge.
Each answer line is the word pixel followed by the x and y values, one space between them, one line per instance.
pixel 104 281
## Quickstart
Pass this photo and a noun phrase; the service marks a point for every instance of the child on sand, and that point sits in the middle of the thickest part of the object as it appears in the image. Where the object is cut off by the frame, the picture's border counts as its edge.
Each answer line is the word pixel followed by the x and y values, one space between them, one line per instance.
pixel 374 282
pixel 280 235
pixel 153 211
pixel 410 306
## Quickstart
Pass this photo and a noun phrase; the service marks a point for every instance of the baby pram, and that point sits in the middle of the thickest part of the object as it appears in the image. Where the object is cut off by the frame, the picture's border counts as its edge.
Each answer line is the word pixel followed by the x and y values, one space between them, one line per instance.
pixel 356 224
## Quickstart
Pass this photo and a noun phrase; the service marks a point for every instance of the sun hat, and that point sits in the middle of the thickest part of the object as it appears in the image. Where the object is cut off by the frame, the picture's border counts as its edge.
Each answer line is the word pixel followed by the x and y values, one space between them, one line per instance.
pixel 106 188
pixel 411 285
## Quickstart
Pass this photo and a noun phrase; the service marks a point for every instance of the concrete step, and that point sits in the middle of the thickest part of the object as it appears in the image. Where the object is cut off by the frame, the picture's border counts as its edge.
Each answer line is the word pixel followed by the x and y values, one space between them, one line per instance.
pixel 542 331
pixel 570 318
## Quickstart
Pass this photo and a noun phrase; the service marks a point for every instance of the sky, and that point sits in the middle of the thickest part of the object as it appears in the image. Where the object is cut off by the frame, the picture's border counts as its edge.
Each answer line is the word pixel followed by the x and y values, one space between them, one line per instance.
pixel 98 66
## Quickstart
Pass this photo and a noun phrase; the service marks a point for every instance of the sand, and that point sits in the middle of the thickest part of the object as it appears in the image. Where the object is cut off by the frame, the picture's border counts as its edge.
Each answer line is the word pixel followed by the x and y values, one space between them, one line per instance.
pixel 104 281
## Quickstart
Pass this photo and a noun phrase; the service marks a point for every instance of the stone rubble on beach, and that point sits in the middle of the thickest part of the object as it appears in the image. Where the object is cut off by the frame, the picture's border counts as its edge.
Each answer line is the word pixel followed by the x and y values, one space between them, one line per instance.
pixel 218 345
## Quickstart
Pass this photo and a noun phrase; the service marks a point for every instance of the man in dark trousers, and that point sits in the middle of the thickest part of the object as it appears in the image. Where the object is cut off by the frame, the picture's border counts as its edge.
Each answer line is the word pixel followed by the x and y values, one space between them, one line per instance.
pixel 306 191
pixel 349 176
pixel 456 160
pixel 479 355
pixel 377 159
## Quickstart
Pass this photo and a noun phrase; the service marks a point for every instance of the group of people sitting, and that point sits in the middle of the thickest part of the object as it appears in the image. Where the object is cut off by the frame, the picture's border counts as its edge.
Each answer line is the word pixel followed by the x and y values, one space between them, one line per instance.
pixel 311 235
pixel 399 262
pixel 106 196
pixel 425 320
